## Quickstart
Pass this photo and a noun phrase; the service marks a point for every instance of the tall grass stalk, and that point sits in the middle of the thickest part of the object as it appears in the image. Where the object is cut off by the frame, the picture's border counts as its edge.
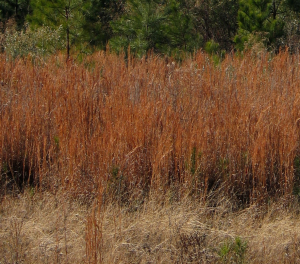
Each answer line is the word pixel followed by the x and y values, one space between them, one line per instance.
pixel 67 125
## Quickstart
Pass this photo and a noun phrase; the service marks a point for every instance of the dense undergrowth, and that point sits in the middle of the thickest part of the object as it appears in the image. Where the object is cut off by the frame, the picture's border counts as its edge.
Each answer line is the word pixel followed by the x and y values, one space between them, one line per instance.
pixel 121 129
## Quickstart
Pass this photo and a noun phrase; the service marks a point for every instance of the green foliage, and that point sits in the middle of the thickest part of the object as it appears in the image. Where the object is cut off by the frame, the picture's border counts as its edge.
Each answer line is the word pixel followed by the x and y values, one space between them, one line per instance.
pixel 162 26
pixel 37 43
pixel 98 17
pixel 224 251
pixel 171 27
pixel 179 29
pixel 140 27
pixel 68 14
pixel 223 167
pixel 215 20
pixel 56 141
pixel 213 49
pixel 259 16
pixel 116 185
pixel 31 191
pixel 233 251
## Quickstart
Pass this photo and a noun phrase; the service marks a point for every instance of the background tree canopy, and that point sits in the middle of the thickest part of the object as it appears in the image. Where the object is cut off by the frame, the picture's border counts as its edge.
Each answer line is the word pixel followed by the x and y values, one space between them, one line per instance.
pixel 262 17
pixel 168 27
pixel 17 9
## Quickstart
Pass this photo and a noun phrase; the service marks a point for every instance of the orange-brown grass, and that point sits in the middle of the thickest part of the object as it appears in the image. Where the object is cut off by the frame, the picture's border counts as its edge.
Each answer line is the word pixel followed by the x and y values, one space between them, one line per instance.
pixel 125 128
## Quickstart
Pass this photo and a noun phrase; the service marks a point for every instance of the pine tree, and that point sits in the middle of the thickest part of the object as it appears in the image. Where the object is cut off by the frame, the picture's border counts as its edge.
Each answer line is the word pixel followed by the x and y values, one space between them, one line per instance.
pixel 98 18
pixel 259 17
pixel 140 27
pixel 180 28
pixel 66 13
pixel 162 26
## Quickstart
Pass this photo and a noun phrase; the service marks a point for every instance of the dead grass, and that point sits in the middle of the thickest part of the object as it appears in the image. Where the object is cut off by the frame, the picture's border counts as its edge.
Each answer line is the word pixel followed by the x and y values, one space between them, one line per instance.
pixel 34 229
pixel 123 159
pixel 140 125
pixel 54 229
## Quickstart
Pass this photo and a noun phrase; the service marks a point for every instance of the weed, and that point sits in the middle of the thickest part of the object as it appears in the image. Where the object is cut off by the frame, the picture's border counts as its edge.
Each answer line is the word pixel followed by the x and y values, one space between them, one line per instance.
pixel 233 251
pixel 31 191
pixel 116 185
pixel 56 140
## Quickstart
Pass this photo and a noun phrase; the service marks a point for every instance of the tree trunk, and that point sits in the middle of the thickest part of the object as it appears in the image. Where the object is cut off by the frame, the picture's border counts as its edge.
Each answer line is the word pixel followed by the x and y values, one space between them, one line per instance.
pixel 68 34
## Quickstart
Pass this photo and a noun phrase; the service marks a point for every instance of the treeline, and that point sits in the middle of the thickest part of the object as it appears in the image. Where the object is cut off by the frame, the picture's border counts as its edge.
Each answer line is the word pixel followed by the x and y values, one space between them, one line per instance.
pixel 170 27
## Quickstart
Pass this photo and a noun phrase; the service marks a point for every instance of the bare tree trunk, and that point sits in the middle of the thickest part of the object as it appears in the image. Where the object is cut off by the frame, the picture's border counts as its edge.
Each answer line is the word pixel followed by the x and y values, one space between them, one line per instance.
pixel 68 34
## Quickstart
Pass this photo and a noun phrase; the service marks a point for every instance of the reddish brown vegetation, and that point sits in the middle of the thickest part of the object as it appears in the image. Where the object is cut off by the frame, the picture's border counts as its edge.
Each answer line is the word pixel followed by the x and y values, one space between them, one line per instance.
pixel 127 128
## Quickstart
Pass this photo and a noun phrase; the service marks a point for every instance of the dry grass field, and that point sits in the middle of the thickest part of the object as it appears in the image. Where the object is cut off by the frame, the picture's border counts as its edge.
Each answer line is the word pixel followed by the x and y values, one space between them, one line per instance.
pixel 51 228
pixel 150 161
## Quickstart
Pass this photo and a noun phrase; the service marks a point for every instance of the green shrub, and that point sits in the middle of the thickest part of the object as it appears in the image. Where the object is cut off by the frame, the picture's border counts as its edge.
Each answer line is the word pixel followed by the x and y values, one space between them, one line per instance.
pixel 213 49
pixel 37 43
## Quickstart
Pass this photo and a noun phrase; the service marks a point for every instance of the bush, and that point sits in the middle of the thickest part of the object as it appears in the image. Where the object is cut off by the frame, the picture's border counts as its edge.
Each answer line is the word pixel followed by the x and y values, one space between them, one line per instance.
pixel 37 43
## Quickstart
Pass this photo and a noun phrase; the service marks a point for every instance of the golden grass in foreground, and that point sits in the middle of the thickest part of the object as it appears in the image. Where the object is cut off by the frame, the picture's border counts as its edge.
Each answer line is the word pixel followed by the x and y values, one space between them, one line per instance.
pixel 53 229
pixel 124 129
